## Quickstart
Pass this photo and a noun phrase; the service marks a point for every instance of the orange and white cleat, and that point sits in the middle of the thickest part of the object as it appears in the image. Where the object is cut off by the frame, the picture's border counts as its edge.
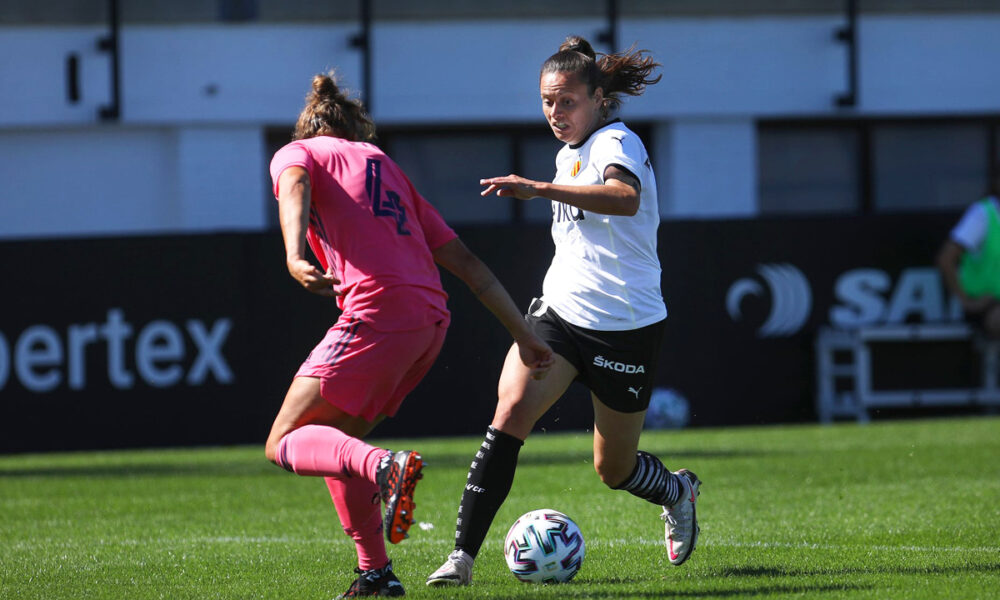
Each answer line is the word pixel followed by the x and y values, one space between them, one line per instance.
pixel 397 476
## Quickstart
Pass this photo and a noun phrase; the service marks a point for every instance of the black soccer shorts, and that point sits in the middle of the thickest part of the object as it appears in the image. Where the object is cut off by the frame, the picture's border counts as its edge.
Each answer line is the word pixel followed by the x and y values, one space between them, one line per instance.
pixel 617 366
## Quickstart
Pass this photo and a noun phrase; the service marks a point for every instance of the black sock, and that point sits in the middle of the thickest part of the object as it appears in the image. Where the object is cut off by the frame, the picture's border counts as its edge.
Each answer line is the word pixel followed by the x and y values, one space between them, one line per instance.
pixel 651 481
pixel 489 481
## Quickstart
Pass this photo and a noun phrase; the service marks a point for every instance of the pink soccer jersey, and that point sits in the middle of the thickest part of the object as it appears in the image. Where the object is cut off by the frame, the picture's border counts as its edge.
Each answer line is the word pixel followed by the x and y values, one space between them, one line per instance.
pixel 369 223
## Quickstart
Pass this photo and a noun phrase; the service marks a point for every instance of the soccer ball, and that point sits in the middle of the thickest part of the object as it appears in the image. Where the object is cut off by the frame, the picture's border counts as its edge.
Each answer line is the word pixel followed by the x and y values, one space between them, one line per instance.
pixel 668 409
pixel 544 546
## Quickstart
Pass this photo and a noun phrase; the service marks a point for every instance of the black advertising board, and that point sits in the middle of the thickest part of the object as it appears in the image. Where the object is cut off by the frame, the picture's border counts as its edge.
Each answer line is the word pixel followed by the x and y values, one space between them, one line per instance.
pixel 182 340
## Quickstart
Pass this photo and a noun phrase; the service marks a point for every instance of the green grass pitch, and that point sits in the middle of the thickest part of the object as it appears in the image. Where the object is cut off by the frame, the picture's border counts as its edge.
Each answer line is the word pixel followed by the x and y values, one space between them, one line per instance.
pixel 906 509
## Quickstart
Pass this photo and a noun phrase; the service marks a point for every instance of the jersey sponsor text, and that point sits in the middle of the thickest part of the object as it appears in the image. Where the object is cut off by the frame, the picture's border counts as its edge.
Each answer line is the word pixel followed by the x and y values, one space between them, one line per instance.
pixel 619 367
pixel 564 212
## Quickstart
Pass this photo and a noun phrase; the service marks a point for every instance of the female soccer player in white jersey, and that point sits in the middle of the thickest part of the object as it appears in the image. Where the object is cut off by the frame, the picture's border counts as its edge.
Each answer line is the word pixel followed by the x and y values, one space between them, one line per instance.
pixel 601 308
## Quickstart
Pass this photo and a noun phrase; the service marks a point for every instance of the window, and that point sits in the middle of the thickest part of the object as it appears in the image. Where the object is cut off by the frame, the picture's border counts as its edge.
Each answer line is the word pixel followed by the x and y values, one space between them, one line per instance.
pixel 928 166
pixel 808 169
pixel 875 166
pixel 446 168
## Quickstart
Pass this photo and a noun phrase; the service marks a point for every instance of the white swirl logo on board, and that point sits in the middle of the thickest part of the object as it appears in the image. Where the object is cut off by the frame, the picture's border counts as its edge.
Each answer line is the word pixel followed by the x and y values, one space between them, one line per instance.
pixel 791 299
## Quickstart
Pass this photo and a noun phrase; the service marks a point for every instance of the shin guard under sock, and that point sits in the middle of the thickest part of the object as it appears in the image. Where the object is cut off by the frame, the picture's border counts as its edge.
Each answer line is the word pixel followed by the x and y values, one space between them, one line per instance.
pixel 489 481
pixel 361 518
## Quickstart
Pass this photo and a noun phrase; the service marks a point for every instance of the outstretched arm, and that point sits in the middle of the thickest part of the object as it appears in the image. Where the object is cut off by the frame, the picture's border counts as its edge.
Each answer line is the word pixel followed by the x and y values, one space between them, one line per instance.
pixel 459 260
pixel 618 195
pixel 293 210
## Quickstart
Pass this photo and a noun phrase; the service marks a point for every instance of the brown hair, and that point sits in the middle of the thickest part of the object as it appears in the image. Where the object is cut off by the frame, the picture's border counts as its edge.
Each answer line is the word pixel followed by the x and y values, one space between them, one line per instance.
pixel 329 111
pixel 626 72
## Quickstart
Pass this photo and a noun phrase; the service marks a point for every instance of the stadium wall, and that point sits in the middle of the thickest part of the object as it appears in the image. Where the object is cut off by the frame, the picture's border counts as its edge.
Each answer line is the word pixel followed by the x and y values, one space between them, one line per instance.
pixel 486 71
pixel 200 98
pixel 190 340
pixel 140 180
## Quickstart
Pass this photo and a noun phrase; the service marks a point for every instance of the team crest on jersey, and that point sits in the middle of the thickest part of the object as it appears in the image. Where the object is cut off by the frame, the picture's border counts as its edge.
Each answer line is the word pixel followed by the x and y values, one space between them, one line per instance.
pixel 576 167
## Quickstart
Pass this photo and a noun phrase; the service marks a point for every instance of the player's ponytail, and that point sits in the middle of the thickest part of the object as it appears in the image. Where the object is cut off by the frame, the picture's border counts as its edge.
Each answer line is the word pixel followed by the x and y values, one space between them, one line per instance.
pixel 575 43
pixel 621 73
pixel 328 111
pixel 626 72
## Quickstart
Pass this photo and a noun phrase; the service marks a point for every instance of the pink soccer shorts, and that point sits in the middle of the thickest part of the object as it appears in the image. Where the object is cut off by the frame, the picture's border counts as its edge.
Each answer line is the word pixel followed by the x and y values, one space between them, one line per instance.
pixel 365 372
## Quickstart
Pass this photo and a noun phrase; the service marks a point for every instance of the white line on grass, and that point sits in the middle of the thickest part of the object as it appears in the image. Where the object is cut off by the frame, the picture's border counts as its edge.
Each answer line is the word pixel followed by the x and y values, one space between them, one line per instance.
pixel 611 543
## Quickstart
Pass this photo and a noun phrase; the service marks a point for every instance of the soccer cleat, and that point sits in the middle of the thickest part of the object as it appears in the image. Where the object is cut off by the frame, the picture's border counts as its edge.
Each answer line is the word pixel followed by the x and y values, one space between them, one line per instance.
pixel 681 521
pixel 374 582
pixel 397 476
pixel 457 570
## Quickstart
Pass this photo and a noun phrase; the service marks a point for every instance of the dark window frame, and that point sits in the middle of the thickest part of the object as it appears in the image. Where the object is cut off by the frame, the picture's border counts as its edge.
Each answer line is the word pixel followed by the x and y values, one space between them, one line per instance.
pixel 864 127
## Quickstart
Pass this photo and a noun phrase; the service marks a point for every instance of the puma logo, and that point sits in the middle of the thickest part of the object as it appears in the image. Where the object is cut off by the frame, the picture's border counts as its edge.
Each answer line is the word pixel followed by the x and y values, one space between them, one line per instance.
pixel 635 391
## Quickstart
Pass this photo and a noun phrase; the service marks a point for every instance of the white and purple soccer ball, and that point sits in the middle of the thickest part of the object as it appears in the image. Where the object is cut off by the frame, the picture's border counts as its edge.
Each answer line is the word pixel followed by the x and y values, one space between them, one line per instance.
pixel 544 546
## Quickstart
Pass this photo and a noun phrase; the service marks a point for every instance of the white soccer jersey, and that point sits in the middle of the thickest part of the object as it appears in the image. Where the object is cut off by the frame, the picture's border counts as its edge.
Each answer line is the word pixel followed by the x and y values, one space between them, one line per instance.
pixel 605 274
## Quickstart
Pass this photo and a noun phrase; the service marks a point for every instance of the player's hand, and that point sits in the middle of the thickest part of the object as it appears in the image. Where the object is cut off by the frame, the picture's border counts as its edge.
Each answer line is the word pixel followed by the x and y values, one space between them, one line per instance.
pixel 536 355
pixel 510 185
pixel 313 279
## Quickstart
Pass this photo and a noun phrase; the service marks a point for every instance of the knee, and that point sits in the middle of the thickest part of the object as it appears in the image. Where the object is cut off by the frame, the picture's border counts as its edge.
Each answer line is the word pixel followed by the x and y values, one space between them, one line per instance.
pixel 278 431
pixel 271 447
pixel 271 451
pixel 612 475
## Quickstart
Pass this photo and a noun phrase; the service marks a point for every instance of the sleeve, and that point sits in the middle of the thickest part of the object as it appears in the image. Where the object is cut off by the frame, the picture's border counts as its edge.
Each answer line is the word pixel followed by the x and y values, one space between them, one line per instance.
pixel 971 229
pixel 292 155
pixel 437 233
pixel 618 148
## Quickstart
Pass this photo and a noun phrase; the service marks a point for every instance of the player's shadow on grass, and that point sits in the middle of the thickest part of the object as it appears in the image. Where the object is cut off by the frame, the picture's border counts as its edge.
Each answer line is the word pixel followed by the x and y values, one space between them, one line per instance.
pixel 529 456
pixel 711 592
pixel 874 569
pixel 225 469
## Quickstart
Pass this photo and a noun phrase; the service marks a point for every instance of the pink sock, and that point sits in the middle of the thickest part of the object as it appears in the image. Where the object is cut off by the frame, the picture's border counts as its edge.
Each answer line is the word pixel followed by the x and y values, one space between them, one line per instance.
pixel 360 518
pixel 323 451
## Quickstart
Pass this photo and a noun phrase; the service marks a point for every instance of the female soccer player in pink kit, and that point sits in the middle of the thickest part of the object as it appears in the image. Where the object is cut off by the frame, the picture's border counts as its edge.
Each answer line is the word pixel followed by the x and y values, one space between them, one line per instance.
pixel 377 241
